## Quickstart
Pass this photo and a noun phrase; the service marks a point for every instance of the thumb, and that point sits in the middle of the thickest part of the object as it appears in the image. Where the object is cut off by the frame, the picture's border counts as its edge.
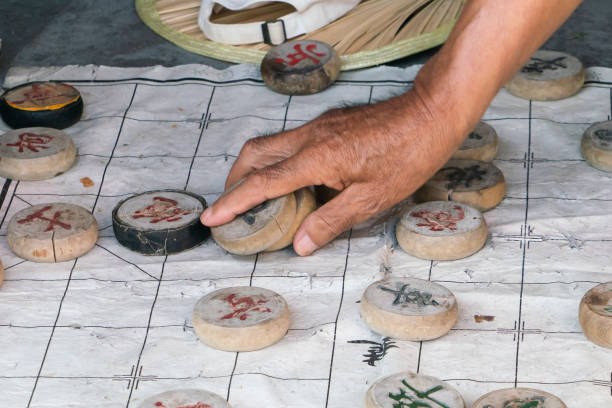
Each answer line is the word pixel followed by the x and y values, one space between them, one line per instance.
pixel 329 221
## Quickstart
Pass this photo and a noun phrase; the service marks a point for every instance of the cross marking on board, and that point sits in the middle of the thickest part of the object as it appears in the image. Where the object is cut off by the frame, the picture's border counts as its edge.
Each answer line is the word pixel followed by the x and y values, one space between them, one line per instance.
pixel 134 375
pixel 519 332
pixel 602 383
pixel 526 236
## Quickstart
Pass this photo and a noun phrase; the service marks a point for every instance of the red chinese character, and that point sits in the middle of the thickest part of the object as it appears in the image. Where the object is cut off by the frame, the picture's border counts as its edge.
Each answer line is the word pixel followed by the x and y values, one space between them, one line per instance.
pixel 38 215
pixel 162 209
pixel 248 305
pixel 197 405
pixel 439 220
pixel 39 92
pixel 301 55
pixel 31 141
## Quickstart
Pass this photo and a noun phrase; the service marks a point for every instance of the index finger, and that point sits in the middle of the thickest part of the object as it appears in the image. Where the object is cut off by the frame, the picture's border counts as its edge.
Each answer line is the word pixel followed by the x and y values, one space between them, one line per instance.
pixel 264 184
pixel 263 151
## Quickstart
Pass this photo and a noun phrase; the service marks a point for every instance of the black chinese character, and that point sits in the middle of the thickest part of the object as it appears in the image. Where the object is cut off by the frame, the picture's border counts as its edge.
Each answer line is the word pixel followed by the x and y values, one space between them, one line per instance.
pixel 458 176
pixel 540 65
pixel 404 295
pixel 376 351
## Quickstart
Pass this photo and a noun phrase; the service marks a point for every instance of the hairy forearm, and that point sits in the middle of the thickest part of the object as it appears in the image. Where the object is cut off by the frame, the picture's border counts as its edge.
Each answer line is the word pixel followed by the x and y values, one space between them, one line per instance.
pixel 489 43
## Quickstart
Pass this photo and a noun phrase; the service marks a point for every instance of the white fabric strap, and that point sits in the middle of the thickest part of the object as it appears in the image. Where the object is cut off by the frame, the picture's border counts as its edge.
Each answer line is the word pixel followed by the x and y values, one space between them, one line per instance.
pixel 315 16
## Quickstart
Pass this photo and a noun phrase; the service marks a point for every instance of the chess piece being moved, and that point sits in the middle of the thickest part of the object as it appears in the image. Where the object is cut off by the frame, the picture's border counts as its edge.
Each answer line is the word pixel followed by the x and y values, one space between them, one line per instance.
pixel 268 227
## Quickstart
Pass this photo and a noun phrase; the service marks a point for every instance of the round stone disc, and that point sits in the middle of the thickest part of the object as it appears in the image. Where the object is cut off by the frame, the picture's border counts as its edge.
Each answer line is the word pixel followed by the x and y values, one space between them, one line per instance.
pixel 241 318
pixel 188 398
pixel 53 232
pixel 548 76
pixel 48 104
pixel 441 230
pixel 160 222
pixel 476 183
pixel 305 203
pixel 408 389
pixel 480 144
pixel 259 228
pixel 595 315
pixel 597 145
pixel 409 309
pixel 300 67
pixel 35 153
pixel 518 398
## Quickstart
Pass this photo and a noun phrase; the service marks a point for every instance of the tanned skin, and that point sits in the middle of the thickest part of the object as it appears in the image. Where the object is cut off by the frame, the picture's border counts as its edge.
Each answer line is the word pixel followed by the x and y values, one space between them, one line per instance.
pixel 379 154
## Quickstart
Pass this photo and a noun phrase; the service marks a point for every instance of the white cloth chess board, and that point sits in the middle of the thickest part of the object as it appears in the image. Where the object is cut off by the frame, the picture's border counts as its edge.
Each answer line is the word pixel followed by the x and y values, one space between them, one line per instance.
pixel 114 327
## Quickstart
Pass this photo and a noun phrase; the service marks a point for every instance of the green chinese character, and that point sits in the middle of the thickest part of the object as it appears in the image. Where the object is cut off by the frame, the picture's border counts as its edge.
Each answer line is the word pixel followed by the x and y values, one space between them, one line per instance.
pixel 420 399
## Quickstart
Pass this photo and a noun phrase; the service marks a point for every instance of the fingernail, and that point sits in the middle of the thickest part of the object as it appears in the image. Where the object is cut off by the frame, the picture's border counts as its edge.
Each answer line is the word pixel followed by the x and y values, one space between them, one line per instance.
pixel 304 245
pixel 205 215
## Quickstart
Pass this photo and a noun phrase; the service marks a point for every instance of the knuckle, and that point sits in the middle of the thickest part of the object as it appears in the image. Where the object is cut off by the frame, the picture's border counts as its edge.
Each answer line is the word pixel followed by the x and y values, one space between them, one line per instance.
pixel 260 179
pixel 251 145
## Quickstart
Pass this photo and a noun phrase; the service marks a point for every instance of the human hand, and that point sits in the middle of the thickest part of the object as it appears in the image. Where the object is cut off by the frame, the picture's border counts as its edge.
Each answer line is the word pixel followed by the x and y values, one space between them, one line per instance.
pixel 376 155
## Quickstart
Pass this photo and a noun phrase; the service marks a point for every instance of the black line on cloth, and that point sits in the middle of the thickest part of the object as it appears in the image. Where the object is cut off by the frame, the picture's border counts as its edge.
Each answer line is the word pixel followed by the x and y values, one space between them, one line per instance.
pixel 231 377
pixel 536 118
pixel 227 119
pixel 154 156
pixel 204 126
pixel 101 195
pixel 144 343
pixel 126 261
pixel 331 363
pixel 281 378
pixel 18 263
pixel 5 187
pixel 313 327
pixel 9 204
pixel 166 326
pixel 278 276
pixel 562 198
pixel 286 112
pixel 175 279
pixel 255 81
pixel 114 147
pixel 59 311
pixel 292 379
pixel 526 231
pixel 161 378
pixel 19 198
pixel 421 342
pixel 253 271
pixel 597 82
pixel 610 117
